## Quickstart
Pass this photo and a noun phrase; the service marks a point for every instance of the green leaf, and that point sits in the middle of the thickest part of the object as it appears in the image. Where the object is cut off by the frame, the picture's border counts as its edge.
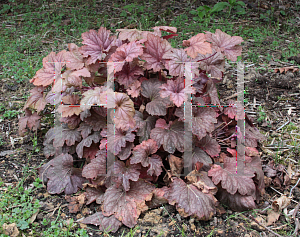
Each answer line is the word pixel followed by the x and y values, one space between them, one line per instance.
pixel 23 225
pixel 220 6
pixel 193 12
pixel 123 13
pixel 282 12
pixel 201 14
pixel 207 8
pixel 241 3
pixel 240 10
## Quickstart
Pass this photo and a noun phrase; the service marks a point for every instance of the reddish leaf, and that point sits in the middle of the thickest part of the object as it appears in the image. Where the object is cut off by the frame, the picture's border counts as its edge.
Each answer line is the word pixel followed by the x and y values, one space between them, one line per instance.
pixel 94 194
pixel 126 173
pixel 158 198
pixel 209 145
pixel 161 123
pixel 141 153
pixel 199 82
pixel 70 106
pixel 97 118
pixel 164 28
pixel 126 151
pixel 252 136
pixel 90 152
pixel 62 176
pixel 226 44
pixel 61 135
pixel 200 156
pixel 73 78
pixel 119 138
pixel 134 89
pixel 96 167
pixel 87 142
pixel 196 45
pixel 127 205
pixel 175 64
pixel 92 97
pixel 129 74
pixel 155 163
pixel 176 90
pixel 72 121
pixel 158 105
pixel 144 126
pixel 213 93
pixel 74 59
pixel 30 120
pixel 235 110
pixel 126 53
pixel 108 224
pixel 54 61
pixel 236 202
pixel 155 48
pixel 213 65
pixel 202 121
pixel 36 99
pixel 169 36
pixel 256 166
pixel 85 129
pixel 171 139
pixel 231 181
pixel 51 71
pixel 50 150
pixel 189 198
pixel 96 44
pixel 54 98
pixel 123 112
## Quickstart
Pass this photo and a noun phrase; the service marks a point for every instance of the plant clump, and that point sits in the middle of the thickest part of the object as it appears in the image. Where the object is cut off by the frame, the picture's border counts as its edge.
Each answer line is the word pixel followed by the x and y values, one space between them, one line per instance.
pixel 123 96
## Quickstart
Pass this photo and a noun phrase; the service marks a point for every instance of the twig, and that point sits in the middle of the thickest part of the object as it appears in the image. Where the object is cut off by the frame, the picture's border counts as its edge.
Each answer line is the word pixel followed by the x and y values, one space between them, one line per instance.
pixel 232 96
pixel 268 229
pixel 54 209
pixel 282 194
pixel 282 125
pixel 295 211
pixel 296 226
pixel 294 187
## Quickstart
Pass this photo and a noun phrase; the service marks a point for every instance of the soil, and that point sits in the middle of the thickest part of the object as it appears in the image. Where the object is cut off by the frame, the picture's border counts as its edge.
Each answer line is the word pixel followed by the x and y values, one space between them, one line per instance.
pixel 279 95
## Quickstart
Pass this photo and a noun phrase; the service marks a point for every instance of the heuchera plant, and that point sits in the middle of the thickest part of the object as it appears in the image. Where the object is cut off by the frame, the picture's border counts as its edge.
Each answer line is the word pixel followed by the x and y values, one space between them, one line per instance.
pixel 148 126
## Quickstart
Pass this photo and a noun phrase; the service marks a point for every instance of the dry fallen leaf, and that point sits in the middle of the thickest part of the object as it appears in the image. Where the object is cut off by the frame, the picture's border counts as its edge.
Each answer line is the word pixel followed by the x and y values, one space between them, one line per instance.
pixel 281 203
pixel 176 165
pixel 11 229
pixel 285 69
pixel 272 217
pixel 33 217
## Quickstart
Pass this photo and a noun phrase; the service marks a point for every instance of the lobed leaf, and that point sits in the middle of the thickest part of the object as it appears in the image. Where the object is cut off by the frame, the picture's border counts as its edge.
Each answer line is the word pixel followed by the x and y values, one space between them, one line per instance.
pixel 196 45
pixel 226 44
pixel 171 139
pixel 151 90
pixel 96 44
pixel 106 223
pixel 189 198
pixel 155 48
pixel 127 206
pixel 61 175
